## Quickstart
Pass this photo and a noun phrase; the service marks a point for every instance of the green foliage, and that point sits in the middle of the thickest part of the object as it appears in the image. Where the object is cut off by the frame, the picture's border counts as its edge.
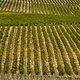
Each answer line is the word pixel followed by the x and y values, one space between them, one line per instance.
pixel 28 51
pixel 68 50
pixel 42 51
pixel 55 51
pixel 3 44
pixel 14 18
pixel 8 51
pixel 22 50
pixel 52 31
pixel 67 68
pixel 15 51
pixel 71 43
pixel 35 51
pixel 48 50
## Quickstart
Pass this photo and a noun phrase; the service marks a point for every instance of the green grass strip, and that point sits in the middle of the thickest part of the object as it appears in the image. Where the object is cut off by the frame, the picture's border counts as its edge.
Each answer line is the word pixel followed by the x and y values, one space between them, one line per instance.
pixel 15 18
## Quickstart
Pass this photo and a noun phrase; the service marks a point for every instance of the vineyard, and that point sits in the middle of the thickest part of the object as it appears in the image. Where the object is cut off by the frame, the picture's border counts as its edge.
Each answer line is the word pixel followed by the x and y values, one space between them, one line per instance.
pixel 25 49
pixel 39 39
pixel 56 7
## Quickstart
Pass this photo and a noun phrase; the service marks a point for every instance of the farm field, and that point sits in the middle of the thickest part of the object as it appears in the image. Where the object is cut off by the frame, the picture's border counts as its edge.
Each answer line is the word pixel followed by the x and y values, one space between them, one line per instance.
pixel 56 7
pixel 26 50
pixel 39 39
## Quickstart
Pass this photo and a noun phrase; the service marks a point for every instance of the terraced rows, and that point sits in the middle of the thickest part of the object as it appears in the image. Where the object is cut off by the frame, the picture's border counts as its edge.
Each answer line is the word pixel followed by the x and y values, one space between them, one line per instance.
pixel 40 50
pixel 56 7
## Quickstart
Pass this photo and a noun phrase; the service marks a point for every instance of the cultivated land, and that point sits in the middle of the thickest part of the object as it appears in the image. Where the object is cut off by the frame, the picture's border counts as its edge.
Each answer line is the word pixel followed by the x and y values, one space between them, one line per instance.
pixel 39 39
pixel 56 7
pixel 40 50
